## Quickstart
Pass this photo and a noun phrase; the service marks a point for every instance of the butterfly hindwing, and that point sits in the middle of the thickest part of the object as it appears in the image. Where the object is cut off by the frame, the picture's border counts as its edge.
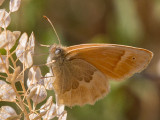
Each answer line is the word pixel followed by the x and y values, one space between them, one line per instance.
pixel 79 83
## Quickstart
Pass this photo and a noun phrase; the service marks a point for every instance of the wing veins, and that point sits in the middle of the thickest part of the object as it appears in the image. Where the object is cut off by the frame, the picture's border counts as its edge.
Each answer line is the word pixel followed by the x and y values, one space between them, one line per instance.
pixel 109 71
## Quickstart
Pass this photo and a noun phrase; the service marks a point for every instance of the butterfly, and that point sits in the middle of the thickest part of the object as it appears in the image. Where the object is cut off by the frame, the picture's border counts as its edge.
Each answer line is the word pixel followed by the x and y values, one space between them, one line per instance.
pixel 82 72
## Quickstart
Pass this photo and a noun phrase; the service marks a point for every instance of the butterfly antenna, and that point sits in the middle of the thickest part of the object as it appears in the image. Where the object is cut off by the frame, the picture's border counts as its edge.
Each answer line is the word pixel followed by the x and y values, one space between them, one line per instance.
pixel 48 46
pixel 53 28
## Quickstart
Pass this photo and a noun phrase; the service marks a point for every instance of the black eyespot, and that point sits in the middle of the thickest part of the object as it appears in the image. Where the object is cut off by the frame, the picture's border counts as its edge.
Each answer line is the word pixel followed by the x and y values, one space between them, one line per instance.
pixel 133 58
pixel 57 51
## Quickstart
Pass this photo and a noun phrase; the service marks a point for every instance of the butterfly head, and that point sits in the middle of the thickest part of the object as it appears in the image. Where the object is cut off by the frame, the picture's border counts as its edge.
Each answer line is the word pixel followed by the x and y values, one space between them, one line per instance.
pixel 56 53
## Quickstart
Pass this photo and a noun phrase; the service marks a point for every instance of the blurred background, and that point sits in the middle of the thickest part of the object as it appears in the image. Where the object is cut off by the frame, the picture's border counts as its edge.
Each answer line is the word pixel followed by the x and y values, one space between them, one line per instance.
pixel 127 22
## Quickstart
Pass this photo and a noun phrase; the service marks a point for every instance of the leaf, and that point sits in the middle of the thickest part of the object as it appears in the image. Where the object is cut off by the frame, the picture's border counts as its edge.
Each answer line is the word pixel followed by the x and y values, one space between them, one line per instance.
pixel 4 18
pixel 33 116
pixel 20 53
pixel 24 51
pixel 31 43
pixel 6 92
pixel 5 62
pixel 47 103
pixel 50 108
pixel 50 112
pixel 21 48
pixel 28 60
pixel 2 12
pixel 14 5
pixel 59 109
pixel 23 40
pixel 7 112
pixel 40 94
pixel 7 40
pixel 34 76
pixel 48 81
pixel 29 51
pixel 63 116
pixel 17 34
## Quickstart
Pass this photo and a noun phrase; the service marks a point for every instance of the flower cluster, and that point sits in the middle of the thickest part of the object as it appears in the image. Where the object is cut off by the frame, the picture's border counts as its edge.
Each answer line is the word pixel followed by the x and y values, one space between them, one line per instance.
pixel 34 88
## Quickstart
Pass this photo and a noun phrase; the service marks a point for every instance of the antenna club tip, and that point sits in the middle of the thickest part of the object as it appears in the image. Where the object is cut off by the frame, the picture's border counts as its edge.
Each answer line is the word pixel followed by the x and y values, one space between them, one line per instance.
pixel 45 17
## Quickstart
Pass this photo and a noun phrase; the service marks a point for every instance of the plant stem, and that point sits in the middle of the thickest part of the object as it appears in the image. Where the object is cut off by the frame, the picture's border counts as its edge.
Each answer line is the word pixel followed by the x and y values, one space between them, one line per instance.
pixel 20 101
pixel 28 101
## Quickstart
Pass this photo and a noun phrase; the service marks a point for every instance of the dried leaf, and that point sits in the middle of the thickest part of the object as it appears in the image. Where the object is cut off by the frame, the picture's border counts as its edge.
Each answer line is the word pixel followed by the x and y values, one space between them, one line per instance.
pixel 32 116
pixel 40 94
pixel 2 12
pixel 4 18
pixel 4 64
pixel 1 2
pixel 28 60
pixel 6 92
pixel 2 83
pixel 24 56
pixel 38 74
pixel 23 40
pixel 29 51
pixel 48 81
pixel 63 116
pixel 48 103
pixel 7 40
pixel 50 108
pixel 14 117
pixel 34 76
pixel 31 43
pixel 14 5
pixel 20 53
pixel 23 51
pixel 17 34
pixel 50 112
pixel 59 109
pixel 32 93
pixel 7 112
pixel 53 110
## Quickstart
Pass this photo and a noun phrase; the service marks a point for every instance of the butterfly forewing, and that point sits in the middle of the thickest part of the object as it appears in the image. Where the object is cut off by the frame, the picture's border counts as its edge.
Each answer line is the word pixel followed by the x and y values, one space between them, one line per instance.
pixel 115 61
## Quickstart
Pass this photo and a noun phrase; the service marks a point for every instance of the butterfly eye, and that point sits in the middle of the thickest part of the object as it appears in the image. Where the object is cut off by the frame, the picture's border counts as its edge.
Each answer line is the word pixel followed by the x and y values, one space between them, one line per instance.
pixel 58 51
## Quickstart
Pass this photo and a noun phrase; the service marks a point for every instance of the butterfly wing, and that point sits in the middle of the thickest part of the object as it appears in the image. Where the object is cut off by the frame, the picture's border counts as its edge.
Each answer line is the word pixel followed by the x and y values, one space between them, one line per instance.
pixel 114 61
pixel 78 82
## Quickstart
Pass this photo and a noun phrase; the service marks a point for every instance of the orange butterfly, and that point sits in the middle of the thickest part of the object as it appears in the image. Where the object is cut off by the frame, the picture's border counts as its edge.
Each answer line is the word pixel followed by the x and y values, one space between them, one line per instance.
pixel 82 71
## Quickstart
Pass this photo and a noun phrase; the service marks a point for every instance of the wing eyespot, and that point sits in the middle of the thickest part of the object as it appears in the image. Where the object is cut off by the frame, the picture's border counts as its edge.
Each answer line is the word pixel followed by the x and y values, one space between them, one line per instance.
pixel 133 58
pixel 75 85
